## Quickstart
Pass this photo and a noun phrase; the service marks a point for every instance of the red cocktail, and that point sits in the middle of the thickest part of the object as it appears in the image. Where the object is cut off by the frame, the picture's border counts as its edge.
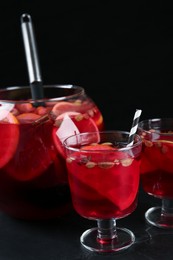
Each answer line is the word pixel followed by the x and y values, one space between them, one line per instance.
pixel 104 179
pixel 157 168
pixel 33 178
pixel 94 180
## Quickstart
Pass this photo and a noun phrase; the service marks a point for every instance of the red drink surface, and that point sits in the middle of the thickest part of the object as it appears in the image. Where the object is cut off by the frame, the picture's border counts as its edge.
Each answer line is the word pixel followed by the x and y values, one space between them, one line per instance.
pixel 33 177
pixel 103 186
pixel 157 166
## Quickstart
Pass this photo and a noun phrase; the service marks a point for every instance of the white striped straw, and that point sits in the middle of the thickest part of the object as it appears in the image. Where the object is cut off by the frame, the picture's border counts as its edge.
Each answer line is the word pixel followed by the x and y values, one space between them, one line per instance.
pixel 134 126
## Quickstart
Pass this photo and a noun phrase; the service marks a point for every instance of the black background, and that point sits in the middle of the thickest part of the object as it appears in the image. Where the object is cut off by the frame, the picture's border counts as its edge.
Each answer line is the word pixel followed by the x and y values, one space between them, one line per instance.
pixel 121 53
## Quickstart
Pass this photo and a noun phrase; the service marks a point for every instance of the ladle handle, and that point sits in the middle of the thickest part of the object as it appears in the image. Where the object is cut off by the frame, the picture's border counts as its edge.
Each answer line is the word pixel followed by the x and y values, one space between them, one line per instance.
pixel 32 59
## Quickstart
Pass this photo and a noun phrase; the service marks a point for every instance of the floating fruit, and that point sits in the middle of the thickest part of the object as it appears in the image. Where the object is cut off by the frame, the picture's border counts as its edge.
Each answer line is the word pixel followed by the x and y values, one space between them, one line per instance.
pixel 64 106
pixel 27 118
pixel 98 147
pixel 32 157
pixel 72 123
pixel 9 130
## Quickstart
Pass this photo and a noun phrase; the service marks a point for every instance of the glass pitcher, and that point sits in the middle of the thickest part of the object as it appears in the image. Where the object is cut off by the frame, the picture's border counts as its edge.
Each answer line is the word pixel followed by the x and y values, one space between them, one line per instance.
pixel 33 177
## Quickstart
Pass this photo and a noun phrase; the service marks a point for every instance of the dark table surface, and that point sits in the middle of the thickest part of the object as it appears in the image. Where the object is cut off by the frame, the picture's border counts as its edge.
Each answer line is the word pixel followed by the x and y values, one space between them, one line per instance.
pixel 59 239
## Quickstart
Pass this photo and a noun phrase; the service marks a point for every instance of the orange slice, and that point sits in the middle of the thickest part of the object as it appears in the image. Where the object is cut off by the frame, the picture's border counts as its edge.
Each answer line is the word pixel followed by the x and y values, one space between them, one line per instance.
pixel 65 106
pixel 34 154
pixel 165 141
pixel 99 122
pixel 79 124
pixel 27 118
pixel 98 147
pixel 25 107
pixel 9 138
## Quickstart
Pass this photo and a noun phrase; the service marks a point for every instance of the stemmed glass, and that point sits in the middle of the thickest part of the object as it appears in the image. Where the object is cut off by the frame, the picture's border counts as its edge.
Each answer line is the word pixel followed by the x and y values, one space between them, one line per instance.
pixel 157 168
pixel 104 176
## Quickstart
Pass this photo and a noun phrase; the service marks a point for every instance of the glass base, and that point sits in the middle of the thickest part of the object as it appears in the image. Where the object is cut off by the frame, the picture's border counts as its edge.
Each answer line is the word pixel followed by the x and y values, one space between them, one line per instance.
pixel 155 217
pixel 124 239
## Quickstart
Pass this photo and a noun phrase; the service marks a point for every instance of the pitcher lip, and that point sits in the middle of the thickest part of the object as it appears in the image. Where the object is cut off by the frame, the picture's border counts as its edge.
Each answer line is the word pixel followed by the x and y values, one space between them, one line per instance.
pixel 72 92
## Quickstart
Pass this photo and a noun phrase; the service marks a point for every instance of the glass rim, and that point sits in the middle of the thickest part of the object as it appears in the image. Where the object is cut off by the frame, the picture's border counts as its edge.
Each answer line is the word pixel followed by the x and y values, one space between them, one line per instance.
pixel 79 91
pixel 126 148
pixel 154 120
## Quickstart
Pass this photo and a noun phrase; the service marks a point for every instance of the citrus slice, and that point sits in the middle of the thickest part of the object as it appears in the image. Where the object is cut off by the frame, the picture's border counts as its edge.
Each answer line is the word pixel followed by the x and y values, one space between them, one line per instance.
pixel 65 106
pixel 99 147
pixel 34 154
pixel 165 141
pixel 25 108
pixel 9 138
pixel 99 122
pixel 72 123
pixel 27 118
pixel 164 159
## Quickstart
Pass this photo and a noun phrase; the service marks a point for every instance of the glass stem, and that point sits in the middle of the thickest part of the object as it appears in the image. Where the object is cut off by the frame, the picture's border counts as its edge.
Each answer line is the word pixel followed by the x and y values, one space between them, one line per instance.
pixel 167 207
pixel 106 230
